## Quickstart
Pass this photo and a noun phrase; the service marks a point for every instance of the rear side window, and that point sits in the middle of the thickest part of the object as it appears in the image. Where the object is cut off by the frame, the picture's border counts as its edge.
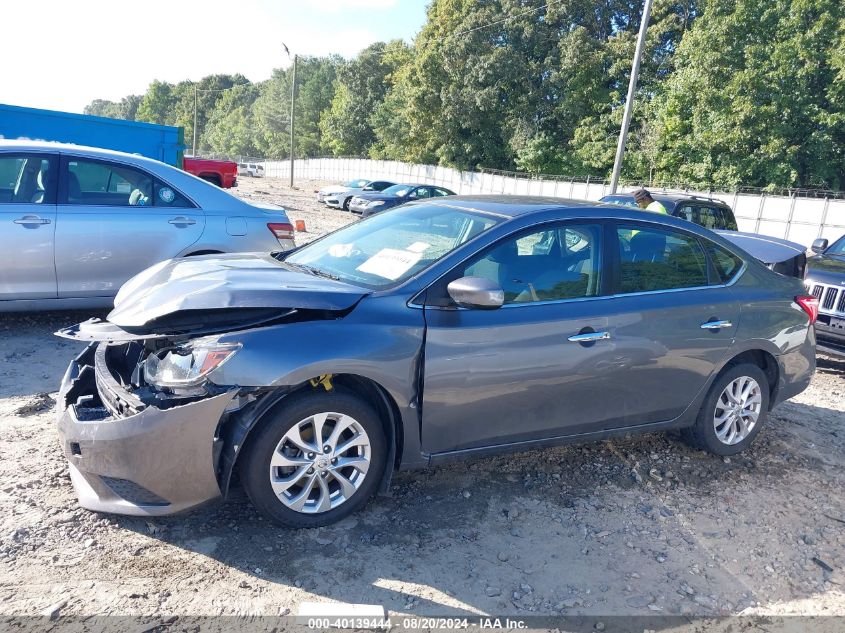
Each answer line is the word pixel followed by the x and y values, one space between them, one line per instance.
pixel 687 213
pixel 726 263
pixel 729 219
pixel 96 183
pixel 711 218
pixel 654 259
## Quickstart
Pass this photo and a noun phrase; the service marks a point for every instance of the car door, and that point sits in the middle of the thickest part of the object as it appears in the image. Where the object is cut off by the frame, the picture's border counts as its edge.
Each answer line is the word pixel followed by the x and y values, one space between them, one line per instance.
pixel 27 225
pixel 672 320
pixel 537 367
pixel 113 221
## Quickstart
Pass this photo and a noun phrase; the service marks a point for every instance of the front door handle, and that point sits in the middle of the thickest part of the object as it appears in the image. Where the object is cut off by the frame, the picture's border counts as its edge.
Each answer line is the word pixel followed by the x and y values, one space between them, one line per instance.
pixel 31 220
pixel 589 337
pixel 182 221
pixel 716 325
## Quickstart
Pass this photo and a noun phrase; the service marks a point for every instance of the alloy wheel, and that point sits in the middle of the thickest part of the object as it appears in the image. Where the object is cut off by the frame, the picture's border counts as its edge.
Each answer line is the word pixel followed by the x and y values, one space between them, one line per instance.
pixel 320 462
pixel 737 410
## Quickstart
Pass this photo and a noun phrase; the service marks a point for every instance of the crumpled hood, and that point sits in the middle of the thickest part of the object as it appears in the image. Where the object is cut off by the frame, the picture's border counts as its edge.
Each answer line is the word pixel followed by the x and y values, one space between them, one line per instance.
pixel 218 282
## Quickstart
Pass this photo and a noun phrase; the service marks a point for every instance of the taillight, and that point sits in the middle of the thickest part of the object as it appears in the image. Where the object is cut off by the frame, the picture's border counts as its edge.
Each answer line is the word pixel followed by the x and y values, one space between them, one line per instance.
pixel 284 231
pixel 810 305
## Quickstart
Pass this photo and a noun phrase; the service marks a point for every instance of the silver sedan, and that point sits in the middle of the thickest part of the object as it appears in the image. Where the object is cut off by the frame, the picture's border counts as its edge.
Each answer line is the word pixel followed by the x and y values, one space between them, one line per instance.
pixel 77 222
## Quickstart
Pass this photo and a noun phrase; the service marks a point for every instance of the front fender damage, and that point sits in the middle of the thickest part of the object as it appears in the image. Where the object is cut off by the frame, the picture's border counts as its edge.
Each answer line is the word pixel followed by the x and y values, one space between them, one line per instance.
pixel 143 459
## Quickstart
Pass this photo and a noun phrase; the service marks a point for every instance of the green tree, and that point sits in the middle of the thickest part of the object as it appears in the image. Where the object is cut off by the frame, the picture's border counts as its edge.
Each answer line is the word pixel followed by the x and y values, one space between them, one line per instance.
pixel 757 96
pixel 362 83
pixel 230 127
pixel 315 86
pixel 126 108
pixel 157 104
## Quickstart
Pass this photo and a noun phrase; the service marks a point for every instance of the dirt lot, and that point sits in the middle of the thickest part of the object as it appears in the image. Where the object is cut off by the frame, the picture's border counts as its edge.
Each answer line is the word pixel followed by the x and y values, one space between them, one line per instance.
pixel 634 526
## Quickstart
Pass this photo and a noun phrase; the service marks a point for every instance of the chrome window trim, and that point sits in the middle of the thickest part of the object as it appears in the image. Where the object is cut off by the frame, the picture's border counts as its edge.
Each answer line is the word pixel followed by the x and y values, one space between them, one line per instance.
pixel 727 284
pixel 595 298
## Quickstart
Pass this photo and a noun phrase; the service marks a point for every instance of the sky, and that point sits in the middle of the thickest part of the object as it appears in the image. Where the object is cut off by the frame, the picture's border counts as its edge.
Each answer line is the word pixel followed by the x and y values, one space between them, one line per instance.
pixel 83 50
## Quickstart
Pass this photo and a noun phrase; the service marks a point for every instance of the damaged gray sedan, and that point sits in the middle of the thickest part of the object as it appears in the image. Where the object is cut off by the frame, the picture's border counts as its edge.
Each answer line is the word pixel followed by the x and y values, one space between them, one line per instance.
pixel 443 329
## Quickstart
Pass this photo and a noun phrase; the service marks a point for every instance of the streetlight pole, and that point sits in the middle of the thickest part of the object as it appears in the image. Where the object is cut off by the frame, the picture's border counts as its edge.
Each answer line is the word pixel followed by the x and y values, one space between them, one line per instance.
pixel 194 148
pixel 629 102
pixel 292 111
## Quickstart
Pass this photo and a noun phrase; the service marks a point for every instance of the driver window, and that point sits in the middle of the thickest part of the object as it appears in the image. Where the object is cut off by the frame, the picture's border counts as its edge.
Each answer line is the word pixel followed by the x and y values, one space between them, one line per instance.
pixel 548 265
pixel 26 179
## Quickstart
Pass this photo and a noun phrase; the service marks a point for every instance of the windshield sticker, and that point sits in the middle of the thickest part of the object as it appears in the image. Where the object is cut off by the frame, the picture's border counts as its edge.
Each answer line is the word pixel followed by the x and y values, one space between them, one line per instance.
pixel 390 263
pixel 418 247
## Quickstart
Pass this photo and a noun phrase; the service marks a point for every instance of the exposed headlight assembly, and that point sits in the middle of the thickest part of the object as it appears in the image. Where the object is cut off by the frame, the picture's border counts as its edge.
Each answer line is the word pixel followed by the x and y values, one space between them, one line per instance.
pixel 187 365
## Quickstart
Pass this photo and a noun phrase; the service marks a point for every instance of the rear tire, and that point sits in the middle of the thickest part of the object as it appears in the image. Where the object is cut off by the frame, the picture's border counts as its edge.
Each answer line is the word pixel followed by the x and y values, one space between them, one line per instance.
pixel 732 414
pixel 214 180
pixel 298 482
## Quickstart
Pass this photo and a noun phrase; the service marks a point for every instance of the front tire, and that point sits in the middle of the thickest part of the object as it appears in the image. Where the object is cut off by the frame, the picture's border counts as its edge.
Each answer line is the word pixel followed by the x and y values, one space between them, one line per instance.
pixel 314 461
pixel 346 204
pixel 734 411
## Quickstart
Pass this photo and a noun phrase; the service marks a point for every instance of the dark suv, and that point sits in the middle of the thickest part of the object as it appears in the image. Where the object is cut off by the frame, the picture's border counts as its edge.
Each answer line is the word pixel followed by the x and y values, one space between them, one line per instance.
pixel 826 280
pixel 706 212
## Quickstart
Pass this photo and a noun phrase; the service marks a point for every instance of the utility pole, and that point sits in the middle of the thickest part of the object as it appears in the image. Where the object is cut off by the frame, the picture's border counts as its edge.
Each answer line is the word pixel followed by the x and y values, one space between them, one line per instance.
pixel 292 111
pixel 629 102
pixel 194 149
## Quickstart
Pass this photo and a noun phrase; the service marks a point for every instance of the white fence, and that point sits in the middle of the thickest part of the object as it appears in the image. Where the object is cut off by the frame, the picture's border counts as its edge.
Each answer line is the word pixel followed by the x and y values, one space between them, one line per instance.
pixel 795 218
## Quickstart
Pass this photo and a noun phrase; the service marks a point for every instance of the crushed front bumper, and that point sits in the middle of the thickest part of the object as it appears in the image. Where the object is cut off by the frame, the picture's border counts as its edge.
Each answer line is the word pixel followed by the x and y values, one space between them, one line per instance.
pixel 126 457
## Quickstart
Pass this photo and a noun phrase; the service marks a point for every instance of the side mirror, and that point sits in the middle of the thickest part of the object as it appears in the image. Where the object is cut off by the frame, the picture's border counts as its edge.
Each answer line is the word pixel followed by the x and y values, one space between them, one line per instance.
pixel 819 246
pixel 476 292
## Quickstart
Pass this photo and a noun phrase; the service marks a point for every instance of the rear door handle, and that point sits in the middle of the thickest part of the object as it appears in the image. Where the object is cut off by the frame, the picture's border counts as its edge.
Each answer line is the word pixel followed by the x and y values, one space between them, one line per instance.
pixel 589 337
pixel 31 220
pixel 182 221
pixel 716 325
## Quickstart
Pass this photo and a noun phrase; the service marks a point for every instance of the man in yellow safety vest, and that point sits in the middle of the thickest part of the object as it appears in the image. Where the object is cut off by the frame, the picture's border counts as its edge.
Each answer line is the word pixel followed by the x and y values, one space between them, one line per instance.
pixel 645 201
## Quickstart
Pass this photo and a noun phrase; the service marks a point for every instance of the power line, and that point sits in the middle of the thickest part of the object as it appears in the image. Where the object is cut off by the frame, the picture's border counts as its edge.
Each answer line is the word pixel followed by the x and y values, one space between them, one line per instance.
pixel 505 19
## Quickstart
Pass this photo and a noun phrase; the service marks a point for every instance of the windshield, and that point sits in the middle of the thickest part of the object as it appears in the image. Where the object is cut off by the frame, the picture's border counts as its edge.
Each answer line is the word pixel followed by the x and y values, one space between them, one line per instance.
pixel 388 248
pixel 837 248
pixel 357 184
pixel 399 190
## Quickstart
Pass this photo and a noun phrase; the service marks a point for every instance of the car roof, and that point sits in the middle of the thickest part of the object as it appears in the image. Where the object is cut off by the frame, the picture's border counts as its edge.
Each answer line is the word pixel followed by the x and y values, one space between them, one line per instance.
pixel 516 206
pixel 669 197
pixel 82 150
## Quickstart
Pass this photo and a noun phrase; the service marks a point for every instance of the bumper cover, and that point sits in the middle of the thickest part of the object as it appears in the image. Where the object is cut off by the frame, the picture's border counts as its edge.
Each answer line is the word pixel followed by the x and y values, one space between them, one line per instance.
pixel 831 338
pixel 150 462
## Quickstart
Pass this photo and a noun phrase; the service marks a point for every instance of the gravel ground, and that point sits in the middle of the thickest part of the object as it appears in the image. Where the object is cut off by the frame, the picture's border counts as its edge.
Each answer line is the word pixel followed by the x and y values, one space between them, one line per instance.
pixel 635 526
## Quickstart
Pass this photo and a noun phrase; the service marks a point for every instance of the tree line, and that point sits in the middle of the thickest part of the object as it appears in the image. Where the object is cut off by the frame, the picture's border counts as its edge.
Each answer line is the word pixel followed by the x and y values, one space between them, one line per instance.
pixel 731 93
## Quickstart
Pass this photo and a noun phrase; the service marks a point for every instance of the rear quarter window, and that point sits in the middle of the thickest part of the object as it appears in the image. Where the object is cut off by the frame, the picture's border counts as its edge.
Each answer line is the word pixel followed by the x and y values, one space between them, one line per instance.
pixel 727 264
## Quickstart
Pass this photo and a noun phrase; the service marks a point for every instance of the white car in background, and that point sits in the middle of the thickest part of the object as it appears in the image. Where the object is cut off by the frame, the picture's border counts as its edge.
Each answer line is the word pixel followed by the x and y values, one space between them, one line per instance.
pixel 253 170
pixel 339 196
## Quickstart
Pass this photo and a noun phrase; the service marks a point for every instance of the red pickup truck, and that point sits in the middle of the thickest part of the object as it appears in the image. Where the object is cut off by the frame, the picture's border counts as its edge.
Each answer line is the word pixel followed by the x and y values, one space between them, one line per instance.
pixel 223 173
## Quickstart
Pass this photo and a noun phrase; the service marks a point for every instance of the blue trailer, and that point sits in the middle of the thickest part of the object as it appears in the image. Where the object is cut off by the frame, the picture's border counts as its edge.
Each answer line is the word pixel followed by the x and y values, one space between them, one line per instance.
pixel 161 142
